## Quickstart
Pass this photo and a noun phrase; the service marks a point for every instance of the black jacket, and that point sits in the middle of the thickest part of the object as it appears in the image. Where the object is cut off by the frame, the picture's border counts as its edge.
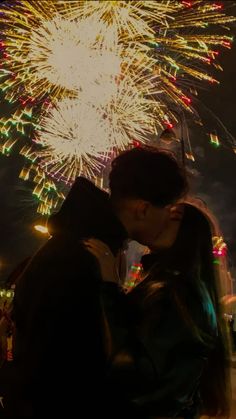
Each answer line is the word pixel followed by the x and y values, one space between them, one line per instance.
pixel 60 360
pixel 157 361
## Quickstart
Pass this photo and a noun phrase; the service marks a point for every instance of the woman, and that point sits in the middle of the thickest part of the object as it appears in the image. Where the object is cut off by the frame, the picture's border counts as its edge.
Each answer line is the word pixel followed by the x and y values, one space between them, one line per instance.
pixel 170 349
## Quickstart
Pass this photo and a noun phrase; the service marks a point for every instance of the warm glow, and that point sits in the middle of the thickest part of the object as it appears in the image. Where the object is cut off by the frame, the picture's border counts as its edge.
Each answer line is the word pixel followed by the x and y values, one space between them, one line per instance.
pixel 74 55
pixel 42 229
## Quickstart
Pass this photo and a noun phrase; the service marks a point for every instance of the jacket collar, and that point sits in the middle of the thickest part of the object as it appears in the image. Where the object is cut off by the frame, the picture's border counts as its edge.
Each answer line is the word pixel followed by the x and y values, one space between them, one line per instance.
pixel 87 212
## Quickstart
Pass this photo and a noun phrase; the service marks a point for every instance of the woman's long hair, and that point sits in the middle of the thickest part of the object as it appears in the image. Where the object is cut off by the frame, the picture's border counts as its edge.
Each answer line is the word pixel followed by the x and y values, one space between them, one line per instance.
pixel 192 257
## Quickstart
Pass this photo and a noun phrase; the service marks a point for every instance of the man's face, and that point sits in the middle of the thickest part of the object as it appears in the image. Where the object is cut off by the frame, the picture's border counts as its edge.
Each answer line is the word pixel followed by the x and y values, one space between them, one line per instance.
pixel 150 222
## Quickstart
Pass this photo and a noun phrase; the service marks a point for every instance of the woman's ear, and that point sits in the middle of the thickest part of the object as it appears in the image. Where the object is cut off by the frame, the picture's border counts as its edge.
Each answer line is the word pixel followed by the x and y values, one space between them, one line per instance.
pixel 177 212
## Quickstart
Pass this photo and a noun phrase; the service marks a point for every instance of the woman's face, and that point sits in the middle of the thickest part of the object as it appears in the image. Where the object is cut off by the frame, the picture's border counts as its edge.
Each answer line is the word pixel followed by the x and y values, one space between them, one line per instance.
pixel 167 238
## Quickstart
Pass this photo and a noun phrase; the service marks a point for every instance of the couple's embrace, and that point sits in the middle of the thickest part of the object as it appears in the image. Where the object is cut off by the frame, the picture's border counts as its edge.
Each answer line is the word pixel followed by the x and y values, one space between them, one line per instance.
pixel 84 347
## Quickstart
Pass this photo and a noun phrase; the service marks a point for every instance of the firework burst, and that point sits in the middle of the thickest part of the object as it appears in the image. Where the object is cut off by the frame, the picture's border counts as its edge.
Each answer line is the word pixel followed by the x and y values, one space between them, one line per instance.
pixel 54 48
pixel 59 57
pixel 134 20
pixel 110 72
pixel 77 135
pixel 70 144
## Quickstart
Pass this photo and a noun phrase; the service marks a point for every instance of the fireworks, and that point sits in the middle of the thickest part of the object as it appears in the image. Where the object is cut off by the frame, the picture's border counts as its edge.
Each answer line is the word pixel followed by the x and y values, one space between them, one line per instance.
pixel 214 140
pixel 95 76
pixel 77 136
pixel 65 54
pixel 51 47
pixel 59 57
pixel 71 145
pixel 219 246
pixel 134 20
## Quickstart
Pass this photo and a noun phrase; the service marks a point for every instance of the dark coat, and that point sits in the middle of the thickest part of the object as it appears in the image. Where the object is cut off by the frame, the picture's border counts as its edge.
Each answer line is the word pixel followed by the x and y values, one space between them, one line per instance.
pixel 157 360
pixel 60 360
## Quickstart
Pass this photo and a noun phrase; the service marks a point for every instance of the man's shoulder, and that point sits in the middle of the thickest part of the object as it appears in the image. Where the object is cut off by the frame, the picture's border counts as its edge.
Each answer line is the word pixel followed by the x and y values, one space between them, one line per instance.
pixel 63 252
pixel 59 265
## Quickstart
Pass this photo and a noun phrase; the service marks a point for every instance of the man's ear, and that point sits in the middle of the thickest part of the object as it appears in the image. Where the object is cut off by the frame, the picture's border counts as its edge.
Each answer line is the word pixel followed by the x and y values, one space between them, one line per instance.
pixel 141 209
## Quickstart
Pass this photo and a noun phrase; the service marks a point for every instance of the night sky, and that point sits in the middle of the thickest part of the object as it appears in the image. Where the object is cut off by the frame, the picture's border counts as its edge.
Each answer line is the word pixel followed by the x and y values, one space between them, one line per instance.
pixel 215 170
pixel 217 166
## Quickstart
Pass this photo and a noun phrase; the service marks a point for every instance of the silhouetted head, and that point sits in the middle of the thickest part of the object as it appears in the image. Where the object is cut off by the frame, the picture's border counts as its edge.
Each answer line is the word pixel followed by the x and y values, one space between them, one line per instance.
pixel 144 182
pixel 186 241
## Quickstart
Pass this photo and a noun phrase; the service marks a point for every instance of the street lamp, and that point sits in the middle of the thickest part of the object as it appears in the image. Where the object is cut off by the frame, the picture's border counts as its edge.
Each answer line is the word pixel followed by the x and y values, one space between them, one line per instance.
pixel 42 229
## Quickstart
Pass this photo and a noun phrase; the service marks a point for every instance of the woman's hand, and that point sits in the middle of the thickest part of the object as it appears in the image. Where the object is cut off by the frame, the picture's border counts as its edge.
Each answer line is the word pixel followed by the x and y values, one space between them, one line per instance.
pixel 106 259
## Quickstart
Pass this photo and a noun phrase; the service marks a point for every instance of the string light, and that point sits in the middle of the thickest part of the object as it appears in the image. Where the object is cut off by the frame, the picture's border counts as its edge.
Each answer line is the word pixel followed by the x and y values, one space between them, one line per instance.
pixel 134 276
pixel 219 246
pixel 214 140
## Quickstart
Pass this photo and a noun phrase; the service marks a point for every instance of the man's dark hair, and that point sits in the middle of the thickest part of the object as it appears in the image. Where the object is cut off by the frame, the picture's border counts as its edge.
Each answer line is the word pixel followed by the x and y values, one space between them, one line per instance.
pixel 147 173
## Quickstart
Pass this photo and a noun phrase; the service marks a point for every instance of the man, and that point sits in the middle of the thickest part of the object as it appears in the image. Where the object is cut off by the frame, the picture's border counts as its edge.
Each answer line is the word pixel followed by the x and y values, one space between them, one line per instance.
pixel 60 356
